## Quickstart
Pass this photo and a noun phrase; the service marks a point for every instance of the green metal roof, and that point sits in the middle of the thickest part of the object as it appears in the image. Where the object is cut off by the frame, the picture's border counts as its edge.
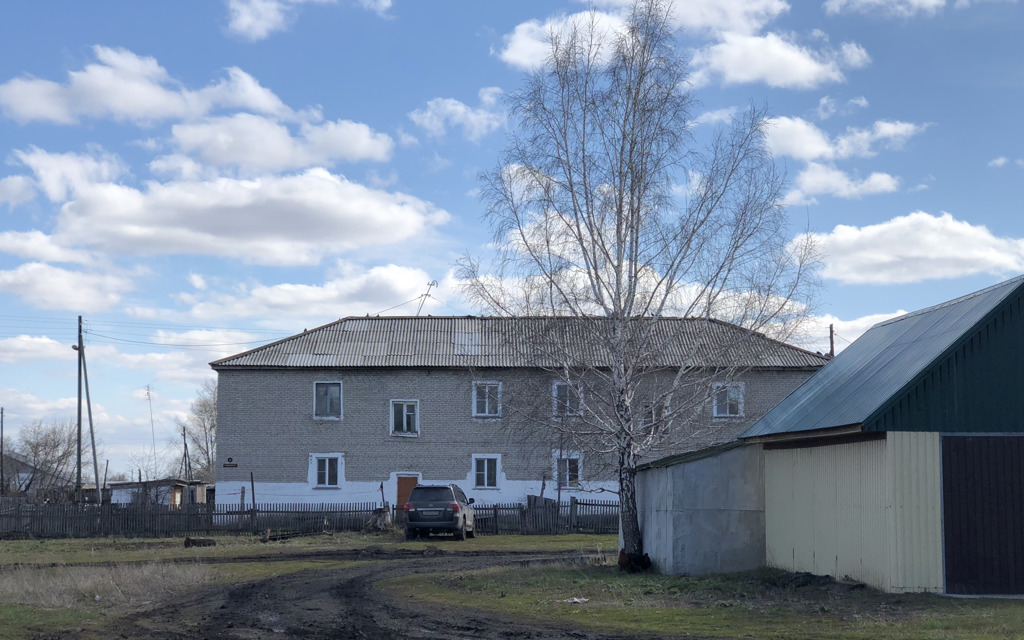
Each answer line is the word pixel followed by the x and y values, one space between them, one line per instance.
pixel 882 366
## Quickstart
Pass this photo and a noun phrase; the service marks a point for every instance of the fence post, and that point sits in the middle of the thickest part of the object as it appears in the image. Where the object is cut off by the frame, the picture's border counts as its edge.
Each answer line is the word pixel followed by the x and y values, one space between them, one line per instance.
pixel 573 513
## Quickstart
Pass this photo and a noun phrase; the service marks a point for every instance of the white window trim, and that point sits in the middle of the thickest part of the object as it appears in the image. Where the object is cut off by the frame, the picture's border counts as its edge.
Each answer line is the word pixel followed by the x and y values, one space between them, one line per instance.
pixel 472 409
pixel 311 473
pixel 567 453
pixel 391 418
pixel 497 473
pixel 718 386
pixel 341 400
pixel 554 399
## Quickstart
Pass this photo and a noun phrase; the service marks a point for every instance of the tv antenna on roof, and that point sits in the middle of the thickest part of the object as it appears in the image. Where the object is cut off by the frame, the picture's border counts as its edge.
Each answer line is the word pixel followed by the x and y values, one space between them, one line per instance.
pixel 423 298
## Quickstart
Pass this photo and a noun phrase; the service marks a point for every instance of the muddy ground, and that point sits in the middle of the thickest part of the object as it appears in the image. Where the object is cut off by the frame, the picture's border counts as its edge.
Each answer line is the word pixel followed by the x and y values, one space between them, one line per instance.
pixel 337 604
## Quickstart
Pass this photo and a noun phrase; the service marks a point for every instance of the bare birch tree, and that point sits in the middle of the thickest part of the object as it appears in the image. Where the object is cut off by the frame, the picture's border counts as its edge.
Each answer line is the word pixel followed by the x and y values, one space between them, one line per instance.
pixel 604 210
pixel 200 431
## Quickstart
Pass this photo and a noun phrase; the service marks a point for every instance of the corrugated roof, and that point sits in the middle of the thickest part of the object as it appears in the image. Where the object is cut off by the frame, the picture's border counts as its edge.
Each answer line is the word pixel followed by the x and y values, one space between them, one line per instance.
pixel 864 376
pixel 515 342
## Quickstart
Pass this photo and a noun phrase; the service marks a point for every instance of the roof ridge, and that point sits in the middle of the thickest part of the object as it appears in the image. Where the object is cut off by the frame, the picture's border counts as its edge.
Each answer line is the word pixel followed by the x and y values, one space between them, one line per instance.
pixel 949 303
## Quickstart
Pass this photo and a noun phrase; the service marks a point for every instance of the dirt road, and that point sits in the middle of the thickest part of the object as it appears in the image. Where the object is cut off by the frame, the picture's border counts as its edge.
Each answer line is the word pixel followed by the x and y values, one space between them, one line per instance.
pixel 337 604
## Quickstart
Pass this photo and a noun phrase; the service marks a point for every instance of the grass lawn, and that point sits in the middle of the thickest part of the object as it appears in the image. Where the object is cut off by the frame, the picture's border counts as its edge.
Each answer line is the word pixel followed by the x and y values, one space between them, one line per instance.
pixel 748 605
pixel 92 550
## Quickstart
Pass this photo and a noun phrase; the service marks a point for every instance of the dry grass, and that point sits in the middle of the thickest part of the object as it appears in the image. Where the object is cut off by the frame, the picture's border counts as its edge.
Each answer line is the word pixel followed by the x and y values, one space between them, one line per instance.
pixel 123 585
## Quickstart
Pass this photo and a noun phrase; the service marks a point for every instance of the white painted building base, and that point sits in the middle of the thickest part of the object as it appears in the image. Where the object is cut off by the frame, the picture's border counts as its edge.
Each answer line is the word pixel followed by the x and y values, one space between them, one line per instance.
pixel 229 493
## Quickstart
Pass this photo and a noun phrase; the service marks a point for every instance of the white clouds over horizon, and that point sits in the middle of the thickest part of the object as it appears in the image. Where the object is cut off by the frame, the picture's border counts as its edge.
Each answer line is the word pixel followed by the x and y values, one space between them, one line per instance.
pixel 914 248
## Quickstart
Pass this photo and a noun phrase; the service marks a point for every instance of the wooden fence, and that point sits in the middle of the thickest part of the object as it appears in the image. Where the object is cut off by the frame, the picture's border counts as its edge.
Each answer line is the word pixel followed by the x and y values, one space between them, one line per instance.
pixel 26 519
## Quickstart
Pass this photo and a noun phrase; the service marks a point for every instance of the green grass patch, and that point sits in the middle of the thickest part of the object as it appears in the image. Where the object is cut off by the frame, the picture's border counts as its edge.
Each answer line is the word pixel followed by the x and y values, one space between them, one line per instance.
pixel 20 621
pixel 93 550
pixel 748 605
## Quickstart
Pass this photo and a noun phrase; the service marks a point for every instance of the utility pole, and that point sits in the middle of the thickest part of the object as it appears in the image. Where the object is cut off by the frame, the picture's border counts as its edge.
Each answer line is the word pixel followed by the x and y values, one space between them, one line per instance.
pixel 78 475
pixel 831 341
pixel 92 430
pixel 3 480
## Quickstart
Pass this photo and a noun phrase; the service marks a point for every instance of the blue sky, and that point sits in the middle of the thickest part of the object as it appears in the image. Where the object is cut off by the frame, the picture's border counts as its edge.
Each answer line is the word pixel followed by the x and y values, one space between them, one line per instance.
pixel 197 178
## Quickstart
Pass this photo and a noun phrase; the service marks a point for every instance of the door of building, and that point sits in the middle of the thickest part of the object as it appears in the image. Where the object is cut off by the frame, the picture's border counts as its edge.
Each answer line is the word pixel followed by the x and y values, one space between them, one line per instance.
pixel 983 514
pixel 405 485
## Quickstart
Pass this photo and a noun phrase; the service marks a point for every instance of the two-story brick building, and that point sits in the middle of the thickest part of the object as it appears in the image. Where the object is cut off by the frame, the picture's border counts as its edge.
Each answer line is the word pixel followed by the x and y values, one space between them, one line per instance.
pixel 361 406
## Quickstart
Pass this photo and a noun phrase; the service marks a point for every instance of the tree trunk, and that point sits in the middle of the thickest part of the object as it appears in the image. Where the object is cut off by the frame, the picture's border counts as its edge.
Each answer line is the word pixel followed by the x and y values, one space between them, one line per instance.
pixel 630 518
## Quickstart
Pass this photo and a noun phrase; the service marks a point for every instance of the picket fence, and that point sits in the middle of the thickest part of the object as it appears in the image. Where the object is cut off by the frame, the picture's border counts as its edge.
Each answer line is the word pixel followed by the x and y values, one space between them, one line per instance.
pixel 26 519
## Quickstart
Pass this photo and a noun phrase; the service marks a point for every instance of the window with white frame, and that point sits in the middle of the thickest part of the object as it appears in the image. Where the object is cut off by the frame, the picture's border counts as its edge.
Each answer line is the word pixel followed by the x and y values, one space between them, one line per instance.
pixel 326 470
pixel 567 399
pixel 327 401
pixel 486 399
pixel 568 468
pixel 728 399
pixel 405 417
pixel 486 470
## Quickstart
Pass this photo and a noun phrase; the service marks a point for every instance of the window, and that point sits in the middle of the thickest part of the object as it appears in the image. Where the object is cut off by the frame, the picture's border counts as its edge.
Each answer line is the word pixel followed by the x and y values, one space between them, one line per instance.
pixel 728 399
pixel 405 417
pixel 326 470
pixel 327 405
pixel 485 471
pixel 568 468
pixel 567 399
pixel 487 399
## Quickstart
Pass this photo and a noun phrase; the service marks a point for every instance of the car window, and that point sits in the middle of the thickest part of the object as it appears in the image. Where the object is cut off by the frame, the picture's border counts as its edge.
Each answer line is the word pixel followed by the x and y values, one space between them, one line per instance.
pixel 431 494
pixel 461 496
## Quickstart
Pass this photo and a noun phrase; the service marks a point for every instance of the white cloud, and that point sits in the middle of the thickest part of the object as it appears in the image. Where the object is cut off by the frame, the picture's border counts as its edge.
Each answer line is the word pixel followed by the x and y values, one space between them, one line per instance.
pixel 278 220
pixel 826 108
pixel 800 139
pixel 998 162
pixel 718 116
pixel 744 16
pixel 774 60
pixel 36 245
pixel 814 333
pixel 126 87
pixel 43 286
pixel 60 175
pixel 25 348
pixel 818 179
pixel 528 47
pixel 180 167
pixel 441 113
pixel 257 19
pixel 259 143
pixel 197 281
pixel 350 290
pixel 916 247
pixel 888 8
pixel 15 190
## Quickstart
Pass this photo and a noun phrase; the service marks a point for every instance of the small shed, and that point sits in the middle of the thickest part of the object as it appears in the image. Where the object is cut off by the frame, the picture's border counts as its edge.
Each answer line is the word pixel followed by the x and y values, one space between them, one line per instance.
pixel 703 511
pixel 901 462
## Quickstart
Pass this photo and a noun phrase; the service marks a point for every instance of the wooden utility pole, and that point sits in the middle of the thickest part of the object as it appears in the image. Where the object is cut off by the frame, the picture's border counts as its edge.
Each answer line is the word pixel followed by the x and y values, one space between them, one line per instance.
pixel 92 430
pixel 3 480
pixel 78 475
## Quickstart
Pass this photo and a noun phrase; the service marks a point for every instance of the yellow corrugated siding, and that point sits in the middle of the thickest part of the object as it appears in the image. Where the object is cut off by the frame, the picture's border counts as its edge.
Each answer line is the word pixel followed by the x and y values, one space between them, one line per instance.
pixel 915 549
pixel 825 510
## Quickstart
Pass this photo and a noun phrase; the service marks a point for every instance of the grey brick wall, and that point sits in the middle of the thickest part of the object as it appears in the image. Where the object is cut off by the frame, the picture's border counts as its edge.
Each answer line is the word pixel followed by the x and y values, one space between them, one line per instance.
pixel 266 424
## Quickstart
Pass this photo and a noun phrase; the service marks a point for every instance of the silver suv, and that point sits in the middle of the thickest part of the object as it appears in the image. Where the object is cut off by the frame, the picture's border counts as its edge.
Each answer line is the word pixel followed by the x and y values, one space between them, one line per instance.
pixel 439 509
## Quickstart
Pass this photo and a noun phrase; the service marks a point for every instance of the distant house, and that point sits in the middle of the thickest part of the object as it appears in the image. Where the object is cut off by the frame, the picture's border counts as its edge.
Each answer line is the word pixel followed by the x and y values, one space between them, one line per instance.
pixel 365 408
pixel 901 462
pixel 22 478
pixel 166 491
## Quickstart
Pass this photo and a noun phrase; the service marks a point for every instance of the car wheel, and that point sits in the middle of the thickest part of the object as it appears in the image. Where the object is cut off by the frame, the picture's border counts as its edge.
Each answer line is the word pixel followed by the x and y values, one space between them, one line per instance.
pixel 410 534
pixel 460 533
pixel 471 533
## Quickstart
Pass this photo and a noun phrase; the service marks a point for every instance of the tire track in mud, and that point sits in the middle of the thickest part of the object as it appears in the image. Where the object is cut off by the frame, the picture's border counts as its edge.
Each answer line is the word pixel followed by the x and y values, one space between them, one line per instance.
pixel 340 603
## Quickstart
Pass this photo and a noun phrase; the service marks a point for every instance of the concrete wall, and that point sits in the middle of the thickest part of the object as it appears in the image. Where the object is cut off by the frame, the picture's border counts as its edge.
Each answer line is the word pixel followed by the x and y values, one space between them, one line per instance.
pixel 706 515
